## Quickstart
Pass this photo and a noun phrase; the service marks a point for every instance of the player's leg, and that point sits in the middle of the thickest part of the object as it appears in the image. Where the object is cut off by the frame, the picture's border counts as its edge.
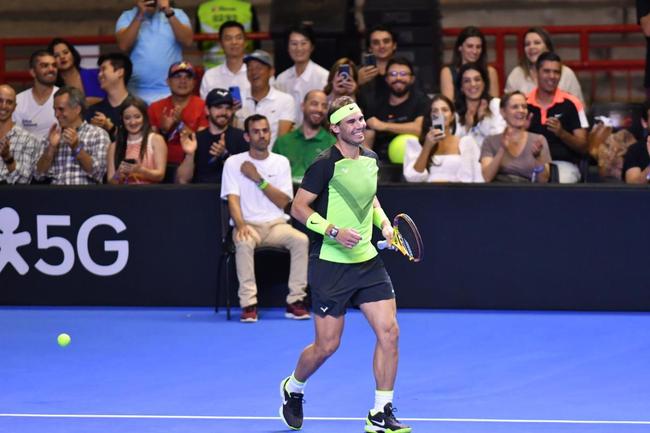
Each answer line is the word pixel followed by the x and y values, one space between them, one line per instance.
pixel 328 339
pixel 382 317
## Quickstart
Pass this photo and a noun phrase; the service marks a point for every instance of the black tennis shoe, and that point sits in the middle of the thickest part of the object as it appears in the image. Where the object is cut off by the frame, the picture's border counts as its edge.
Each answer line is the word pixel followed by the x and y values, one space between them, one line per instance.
pixel 385 422
pixel 291 409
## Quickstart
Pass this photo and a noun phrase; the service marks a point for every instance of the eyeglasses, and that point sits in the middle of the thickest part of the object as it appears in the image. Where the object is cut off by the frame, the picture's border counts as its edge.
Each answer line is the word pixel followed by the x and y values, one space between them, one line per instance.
pixel 398 74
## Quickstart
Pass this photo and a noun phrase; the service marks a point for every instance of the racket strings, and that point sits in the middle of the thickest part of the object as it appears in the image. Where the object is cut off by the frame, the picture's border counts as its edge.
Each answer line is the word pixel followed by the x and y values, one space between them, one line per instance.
pixel 406 245
pixel 410 238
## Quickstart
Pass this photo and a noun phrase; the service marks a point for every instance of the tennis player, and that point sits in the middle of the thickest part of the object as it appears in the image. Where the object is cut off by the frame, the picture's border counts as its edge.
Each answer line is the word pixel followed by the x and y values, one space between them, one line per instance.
pixel 337 201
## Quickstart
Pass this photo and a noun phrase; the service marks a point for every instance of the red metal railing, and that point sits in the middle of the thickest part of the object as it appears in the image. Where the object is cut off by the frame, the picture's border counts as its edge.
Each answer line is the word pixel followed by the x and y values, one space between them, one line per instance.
pixel 585 61
pixel 23 74
pixel 500 41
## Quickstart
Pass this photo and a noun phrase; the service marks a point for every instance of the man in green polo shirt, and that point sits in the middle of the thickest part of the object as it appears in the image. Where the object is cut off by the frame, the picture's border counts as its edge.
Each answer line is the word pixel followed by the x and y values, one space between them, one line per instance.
pixel 304 144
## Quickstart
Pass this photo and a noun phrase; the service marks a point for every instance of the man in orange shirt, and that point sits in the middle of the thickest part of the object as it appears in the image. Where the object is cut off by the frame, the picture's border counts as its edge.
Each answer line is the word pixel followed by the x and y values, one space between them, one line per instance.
pixel 181 110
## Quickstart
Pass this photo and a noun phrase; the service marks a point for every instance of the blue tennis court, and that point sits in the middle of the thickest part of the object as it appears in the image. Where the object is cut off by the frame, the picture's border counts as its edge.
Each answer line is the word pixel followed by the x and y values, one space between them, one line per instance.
pixel 191 371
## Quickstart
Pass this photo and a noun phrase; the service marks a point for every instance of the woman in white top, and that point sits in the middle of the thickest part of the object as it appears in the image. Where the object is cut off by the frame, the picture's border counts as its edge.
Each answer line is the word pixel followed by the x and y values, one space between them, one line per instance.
pixel 137 155
pixel 442 156
pixel 478 113
pixel 469 48
pixel 516 155
pixel 304 75
pixel 524 77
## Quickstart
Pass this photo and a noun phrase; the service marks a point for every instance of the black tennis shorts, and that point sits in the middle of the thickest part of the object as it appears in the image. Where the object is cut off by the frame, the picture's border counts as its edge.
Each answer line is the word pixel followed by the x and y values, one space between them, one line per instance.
pixel 335 286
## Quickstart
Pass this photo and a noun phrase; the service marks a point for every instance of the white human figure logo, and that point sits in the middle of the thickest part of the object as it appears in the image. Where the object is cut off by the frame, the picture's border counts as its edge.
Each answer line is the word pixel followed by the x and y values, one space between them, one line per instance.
pixel 10 241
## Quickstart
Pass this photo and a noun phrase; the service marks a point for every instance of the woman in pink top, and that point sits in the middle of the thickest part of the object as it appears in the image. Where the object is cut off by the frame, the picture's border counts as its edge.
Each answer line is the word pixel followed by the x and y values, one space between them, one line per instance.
pixel 137 155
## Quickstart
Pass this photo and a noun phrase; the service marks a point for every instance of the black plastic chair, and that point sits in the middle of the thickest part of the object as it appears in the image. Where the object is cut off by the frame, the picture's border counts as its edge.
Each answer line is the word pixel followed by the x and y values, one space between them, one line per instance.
pixel 228 258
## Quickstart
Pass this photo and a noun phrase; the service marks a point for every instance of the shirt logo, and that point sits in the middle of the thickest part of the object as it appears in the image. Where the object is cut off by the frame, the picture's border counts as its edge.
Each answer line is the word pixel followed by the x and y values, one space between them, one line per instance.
pixel 11 240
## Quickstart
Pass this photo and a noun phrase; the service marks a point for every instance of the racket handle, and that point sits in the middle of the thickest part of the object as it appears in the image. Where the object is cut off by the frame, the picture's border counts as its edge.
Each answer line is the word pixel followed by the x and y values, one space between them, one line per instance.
pixel 382 245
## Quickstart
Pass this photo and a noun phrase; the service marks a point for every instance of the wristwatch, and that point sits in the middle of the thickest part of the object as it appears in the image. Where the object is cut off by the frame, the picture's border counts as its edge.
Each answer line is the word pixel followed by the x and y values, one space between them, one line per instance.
pixel 334 231
pixel 169 12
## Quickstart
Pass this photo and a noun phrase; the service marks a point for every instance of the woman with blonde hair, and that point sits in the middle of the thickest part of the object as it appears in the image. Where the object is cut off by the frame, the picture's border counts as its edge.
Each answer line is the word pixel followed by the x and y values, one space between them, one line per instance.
pixel 524 76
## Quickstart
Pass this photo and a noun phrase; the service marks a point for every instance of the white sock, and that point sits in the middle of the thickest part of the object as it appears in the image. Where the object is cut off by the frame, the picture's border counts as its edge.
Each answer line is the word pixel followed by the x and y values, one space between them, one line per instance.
pixel 381 399
pixel 294 385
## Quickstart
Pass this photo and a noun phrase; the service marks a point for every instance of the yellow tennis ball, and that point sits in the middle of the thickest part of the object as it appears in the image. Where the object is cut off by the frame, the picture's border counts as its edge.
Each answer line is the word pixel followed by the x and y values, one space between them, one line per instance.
pixel 63 340
pixel 397 148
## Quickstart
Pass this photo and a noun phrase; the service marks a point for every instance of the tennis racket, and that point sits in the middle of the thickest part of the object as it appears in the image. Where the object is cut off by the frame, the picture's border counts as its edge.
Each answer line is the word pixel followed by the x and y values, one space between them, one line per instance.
pixel 406 238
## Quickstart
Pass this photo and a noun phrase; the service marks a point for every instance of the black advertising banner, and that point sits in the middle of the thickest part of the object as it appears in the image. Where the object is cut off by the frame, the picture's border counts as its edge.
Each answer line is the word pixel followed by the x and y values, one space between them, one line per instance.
pixel 579 247
pixel 104 245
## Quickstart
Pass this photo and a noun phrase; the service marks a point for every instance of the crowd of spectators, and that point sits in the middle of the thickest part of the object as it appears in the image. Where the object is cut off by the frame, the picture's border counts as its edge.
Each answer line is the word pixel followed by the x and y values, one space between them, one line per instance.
pixel 145 116
pixel 70 126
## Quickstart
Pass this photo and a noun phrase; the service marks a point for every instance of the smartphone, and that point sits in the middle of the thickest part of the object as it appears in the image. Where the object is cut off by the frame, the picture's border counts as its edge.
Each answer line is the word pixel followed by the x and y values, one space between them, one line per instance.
pixel 130 161
pixel 235 93
pixel 344 70
pixel 437 122
pixel 150 3
pixel 369 59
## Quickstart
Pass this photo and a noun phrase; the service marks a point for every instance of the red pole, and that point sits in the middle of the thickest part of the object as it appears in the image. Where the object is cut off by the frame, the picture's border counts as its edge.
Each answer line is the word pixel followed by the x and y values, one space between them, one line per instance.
pixel 501 58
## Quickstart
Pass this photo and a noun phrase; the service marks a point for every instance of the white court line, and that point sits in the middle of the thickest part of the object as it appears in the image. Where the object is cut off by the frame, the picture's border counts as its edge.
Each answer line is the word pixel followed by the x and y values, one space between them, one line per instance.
pixel 316 418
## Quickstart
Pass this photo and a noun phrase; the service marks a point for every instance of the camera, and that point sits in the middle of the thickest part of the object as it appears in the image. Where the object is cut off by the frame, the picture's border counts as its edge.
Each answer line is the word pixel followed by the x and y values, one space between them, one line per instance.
pixel 369 59
pixel 344 71
pixel 438 122
pixel 235 93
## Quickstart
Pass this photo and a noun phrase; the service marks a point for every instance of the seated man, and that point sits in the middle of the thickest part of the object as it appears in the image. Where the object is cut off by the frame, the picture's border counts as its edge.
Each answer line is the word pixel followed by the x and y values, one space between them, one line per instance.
pixel 75 150
pixel 257 185
pixel 278 107
pixel 382 45
pixel 232 73
pixel 401 111
pixel 114 74
pixel 206 151
pixel 181 110
pixel 303 145
pixel 559 116
pixel 636 164
pixel 19 149
pixel 211 16
pixel 34 111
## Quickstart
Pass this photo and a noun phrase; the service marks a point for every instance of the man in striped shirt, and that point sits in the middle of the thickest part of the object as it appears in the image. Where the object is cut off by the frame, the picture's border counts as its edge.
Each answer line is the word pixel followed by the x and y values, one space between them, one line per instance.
pixel 75 150
pixel 19 149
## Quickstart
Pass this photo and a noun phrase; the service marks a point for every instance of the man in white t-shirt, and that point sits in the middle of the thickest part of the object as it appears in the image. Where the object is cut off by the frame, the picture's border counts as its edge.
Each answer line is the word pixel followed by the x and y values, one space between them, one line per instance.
pixel 35 107
pixel 257 185
pixel 233 72
pixel 278 107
